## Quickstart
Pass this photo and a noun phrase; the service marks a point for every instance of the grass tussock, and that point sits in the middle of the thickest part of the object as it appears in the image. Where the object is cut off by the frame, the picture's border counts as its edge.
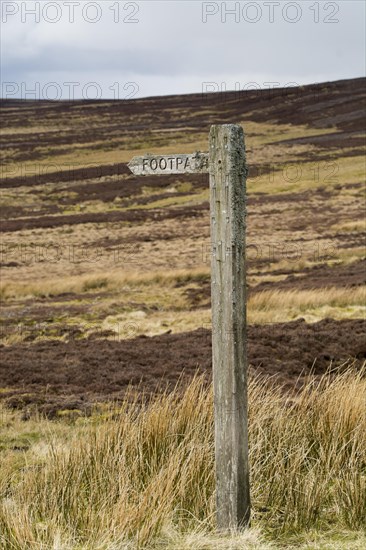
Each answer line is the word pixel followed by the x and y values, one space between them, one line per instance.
pixel 304 299
pixel 107 282
pixel 144 476
pixel 313 304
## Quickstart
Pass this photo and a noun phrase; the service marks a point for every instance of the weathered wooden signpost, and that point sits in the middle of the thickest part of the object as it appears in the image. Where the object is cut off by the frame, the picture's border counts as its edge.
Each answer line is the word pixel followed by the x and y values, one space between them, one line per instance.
pixel 226 166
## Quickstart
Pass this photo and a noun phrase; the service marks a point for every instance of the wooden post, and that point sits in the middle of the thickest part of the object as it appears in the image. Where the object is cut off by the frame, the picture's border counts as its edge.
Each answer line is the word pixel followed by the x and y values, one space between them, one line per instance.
pixel 227 171
pixel 226 165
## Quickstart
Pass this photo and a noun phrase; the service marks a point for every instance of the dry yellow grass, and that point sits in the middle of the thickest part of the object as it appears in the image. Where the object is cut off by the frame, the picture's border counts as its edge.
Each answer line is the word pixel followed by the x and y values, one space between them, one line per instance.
pixel 111 281
pixel 166 303
pixel 296 176
pixel 284 305
pixel 304 299
pixel 143 478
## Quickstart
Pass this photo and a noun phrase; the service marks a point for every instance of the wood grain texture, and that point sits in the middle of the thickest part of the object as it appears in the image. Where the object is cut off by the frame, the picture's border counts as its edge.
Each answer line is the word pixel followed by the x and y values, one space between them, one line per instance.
pixel 227 171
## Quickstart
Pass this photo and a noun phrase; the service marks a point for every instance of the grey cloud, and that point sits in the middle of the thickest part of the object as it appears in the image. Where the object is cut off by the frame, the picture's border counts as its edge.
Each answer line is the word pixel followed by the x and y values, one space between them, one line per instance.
pixel 172 43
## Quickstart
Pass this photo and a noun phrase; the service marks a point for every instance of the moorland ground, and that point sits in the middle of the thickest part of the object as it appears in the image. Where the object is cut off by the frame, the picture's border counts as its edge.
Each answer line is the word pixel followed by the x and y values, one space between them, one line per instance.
pixel 105 276
pixel 92 254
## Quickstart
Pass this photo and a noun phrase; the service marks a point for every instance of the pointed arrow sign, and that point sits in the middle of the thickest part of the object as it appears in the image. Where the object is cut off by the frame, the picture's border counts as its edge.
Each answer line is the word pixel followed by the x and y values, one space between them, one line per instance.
pixel 169 164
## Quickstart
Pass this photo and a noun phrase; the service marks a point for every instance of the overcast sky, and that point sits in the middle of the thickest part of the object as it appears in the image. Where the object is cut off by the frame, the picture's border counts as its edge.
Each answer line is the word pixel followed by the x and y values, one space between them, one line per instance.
pixel 118 49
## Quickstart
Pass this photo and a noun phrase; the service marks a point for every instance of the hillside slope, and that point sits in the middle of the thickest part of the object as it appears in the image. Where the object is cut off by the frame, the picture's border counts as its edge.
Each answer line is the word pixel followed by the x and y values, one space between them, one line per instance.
pixel 91 253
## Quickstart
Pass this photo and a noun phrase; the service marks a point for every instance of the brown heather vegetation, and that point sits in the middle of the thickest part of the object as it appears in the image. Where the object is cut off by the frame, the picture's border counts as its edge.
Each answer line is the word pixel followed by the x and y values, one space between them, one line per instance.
pixel 105 283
